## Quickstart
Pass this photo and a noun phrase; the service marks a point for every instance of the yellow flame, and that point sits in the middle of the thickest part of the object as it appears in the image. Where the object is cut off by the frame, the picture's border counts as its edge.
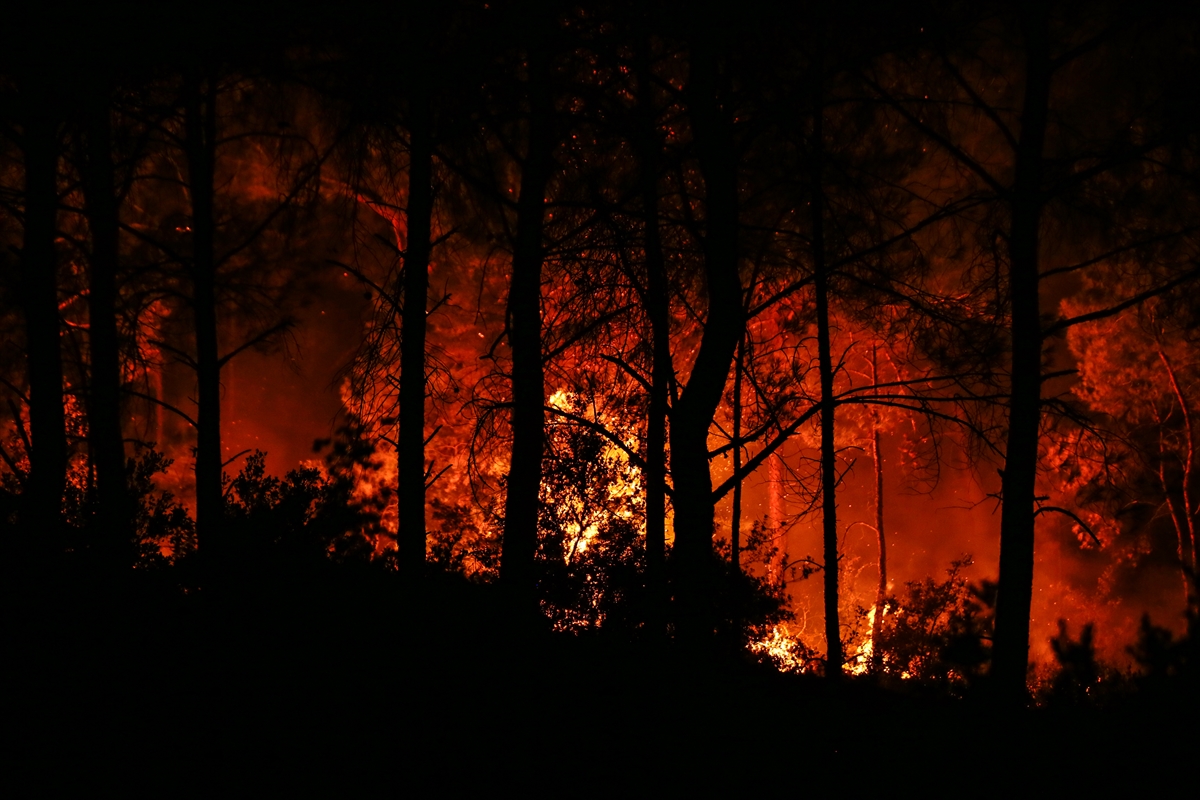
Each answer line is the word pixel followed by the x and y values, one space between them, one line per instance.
pixel 783 648
pixel 627 485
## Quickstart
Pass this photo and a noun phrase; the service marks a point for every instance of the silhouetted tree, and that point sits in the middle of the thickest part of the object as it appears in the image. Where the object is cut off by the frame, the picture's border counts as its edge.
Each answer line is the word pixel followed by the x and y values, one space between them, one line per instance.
pixel 655 298
pixel 692 414
pixel 200 97
pixel 37 110
pixel 1137 373
pixel 524 323
pixel 106 440
pixel 1047 171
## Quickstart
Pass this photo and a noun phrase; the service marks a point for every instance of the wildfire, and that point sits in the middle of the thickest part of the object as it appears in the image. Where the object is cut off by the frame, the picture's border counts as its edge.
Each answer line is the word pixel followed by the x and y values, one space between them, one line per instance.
pixel 583 498
pixel 860 664
pixel 783 649
pixel 715 307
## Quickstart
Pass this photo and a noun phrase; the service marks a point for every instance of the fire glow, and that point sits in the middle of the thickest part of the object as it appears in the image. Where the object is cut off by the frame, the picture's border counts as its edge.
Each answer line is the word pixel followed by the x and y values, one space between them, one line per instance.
pixel 674 337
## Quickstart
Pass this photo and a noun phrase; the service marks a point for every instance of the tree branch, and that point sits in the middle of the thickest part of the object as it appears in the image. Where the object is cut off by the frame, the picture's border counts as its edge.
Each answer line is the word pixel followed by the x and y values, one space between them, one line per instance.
pixel 164 404
pixel 1104 313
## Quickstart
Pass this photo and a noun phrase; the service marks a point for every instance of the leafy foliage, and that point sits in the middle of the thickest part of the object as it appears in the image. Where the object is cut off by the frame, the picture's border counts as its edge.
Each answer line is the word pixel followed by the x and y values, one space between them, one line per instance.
pixel 312 512
pixel 164 533
pixel 590 543
pixel 1167 662
pixel 937 632
pixel 459 543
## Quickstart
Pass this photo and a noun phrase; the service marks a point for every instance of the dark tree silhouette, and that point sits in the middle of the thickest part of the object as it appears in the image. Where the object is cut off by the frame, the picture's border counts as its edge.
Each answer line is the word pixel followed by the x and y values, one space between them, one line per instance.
pixel 655 298
pixel 723 326
pixel 200 97
pixel 1045 175
pixel 113 515
pixel 41 147
pixel 834 657
pixel 524 324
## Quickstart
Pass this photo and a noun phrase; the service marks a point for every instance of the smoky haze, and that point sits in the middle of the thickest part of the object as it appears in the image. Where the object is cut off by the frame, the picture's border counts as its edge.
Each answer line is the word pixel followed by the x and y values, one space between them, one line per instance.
pixel 623 256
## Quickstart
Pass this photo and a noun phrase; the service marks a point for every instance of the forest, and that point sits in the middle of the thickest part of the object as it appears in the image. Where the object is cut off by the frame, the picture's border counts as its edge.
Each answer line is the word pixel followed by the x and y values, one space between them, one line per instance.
pixel 565 392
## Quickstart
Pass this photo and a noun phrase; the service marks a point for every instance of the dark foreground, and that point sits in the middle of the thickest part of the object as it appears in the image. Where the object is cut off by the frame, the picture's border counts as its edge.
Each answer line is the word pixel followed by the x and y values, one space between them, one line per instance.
pixel 304 680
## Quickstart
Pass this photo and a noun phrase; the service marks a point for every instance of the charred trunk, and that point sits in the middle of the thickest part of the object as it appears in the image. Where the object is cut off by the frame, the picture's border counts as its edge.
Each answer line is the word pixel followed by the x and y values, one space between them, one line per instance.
pixel 104 406
pixel 200 121
pixel 411 440
pixel 834 657
pixel 656 301
pixel 658 312
pixel 525 339
pixel 723 327
pixel 1015 592
pixel 43 495
pixel 656 435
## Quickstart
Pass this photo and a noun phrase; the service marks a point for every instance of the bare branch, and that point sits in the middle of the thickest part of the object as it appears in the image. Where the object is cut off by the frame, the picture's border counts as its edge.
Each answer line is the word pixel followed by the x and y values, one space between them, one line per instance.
pixel 282 325
pixel 1072 515
pixel 165 405
pixel 429 483
pixel 1104 313
pixel 234 458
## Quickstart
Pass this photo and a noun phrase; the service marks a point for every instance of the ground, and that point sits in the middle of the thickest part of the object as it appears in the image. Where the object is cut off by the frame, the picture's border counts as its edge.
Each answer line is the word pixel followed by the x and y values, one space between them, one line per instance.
pixel 292 680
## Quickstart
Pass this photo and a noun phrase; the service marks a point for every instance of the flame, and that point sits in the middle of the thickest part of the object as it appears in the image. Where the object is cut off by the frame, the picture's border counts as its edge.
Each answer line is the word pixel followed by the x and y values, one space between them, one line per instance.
pixel 622 492
pixel 861 663
pixel 783 649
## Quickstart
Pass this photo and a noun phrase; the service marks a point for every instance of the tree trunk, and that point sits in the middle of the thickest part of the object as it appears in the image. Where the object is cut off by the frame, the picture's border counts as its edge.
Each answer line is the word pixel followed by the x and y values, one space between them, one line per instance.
pixel 881 590
pixel 775 512
pixel 656 434
pixel 735 523
pixel 1189 513
pixel 104 407
pixel 658 312
pixel 834 656
pixel 525 338
pixel 693 412
pixel 200 121
pixel 411 440
pixel 1177 519
pixel 1015 593
pixel 43 496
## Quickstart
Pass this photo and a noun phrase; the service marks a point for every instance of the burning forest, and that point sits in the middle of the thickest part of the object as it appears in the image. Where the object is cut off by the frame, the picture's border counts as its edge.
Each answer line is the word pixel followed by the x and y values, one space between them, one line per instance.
pixel 843 348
